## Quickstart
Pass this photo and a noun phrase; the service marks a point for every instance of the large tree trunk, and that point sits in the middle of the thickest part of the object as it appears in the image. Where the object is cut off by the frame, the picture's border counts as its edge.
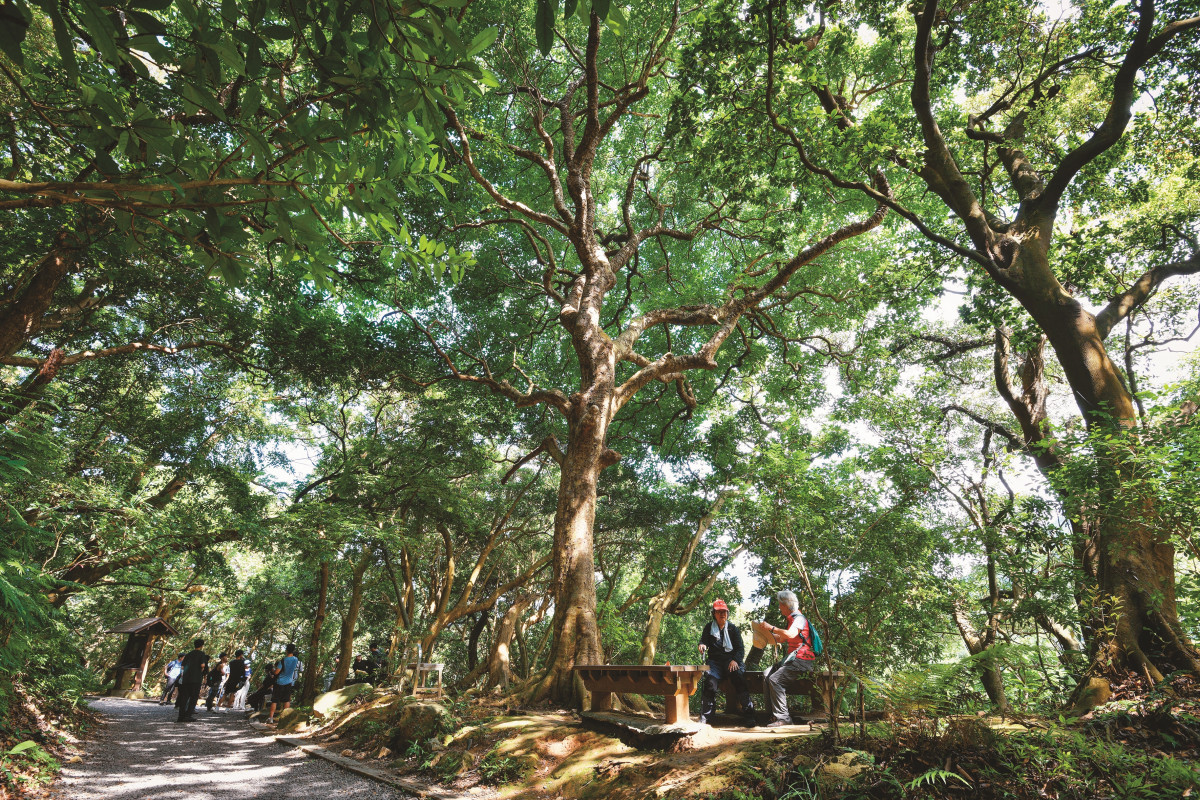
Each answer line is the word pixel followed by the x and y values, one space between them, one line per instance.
pixel 1134 566
pixel 576 633
pixel 349 619
pixel 314 642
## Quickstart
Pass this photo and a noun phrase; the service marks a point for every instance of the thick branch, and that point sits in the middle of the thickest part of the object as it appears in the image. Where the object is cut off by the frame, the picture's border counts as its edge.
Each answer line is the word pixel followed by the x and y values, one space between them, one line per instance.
pixel 1123 304
pixel 1143 48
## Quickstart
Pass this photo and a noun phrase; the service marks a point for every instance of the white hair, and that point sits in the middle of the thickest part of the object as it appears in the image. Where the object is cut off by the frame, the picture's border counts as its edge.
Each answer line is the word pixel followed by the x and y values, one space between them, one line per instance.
pixel 789 597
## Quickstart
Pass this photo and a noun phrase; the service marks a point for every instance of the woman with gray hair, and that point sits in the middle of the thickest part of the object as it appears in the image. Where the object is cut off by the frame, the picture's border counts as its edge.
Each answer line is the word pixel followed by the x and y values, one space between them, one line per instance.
pixel 799 655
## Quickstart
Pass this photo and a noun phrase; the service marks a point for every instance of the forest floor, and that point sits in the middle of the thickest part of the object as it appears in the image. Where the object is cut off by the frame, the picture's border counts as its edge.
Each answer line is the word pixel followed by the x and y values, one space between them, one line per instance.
pixel 1140 746
pixel 141 753
pixel 1143 747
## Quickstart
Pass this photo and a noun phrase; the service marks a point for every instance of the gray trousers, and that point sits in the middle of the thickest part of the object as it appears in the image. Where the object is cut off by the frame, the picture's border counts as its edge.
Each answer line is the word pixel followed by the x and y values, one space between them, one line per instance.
pixel 776 682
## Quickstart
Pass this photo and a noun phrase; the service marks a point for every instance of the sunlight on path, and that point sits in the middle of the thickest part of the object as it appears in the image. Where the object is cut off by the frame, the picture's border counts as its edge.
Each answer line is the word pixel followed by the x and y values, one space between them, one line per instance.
pixel 142 753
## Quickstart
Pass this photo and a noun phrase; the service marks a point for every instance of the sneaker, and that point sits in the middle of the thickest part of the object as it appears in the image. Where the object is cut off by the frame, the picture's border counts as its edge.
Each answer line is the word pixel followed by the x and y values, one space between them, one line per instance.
pixel 778 723
pixel 703 720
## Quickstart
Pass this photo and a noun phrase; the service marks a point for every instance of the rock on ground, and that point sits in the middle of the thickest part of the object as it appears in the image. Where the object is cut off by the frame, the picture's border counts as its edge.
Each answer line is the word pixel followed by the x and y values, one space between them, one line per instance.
pixel 141 753
pixel 330 703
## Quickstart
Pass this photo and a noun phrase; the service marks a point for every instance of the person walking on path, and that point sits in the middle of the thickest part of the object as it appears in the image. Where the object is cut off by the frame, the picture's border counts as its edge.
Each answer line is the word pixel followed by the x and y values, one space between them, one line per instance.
pixel 721 643
pixel 217 676
pixel 239 700
pixel 171 672
pixel 800 656
pixel 285 680
pixel 195 665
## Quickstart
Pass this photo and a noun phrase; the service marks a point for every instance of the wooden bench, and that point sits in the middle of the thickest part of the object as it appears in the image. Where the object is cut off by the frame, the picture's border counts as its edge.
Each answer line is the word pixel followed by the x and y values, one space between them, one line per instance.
pixel 674 683
pixel 819 686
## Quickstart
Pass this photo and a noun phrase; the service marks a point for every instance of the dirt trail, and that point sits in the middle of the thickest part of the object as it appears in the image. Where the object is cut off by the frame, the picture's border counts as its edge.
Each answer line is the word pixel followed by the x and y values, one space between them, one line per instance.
pixel 141 753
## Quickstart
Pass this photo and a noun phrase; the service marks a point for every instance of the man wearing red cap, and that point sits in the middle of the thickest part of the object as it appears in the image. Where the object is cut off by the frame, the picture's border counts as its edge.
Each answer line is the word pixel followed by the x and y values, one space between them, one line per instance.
pixel 722 642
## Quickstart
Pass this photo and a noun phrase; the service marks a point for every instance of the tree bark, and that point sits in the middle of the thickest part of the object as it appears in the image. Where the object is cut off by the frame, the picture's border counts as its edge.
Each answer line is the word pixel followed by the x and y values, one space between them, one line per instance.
pixel 309 690
pixel 473 640
pixel 576 633
pixel 989 674
pixel 498 665
pixel 350 618
pixel 1134 566
pixel 21 317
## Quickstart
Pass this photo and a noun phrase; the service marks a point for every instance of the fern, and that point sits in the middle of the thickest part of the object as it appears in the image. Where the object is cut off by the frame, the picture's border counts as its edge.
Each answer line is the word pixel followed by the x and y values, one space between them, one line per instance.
pixel 935 775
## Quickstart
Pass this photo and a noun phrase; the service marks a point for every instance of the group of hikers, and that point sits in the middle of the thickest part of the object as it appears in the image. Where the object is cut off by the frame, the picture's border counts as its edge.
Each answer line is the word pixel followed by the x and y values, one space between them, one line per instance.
pixel 721 643
pixel 226 683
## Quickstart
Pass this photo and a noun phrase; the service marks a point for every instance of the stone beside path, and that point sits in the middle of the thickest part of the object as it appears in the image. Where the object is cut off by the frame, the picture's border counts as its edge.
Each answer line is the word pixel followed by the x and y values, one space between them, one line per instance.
pixel 141 753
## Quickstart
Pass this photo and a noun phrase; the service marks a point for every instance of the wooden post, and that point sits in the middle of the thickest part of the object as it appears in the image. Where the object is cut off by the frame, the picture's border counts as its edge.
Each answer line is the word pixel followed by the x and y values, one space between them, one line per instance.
pixel 140 680
pixel 602 701
pixel 677 708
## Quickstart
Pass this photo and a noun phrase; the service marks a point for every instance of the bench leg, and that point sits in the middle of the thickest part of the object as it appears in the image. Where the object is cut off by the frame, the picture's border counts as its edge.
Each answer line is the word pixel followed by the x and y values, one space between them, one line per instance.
pixel 601 701
pixel 677 708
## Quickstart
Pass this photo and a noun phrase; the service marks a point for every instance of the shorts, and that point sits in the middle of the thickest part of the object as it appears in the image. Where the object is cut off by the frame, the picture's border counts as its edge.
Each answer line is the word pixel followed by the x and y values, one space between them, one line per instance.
pixel 282 693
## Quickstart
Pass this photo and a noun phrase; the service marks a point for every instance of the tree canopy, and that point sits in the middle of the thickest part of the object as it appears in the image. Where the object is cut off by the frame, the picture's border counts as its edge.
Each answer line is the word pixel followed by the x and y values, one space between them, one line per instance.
pixel 513 333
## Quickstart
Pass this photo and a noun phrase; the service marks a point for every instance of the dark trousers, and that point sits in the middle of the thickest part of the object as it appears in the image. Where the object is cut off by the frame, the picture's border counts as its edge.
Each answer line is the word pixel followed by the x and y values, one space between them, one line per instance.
pixel 172 685
pixel 778 680
pixel 189 695
pixel 214 694
pixel 712 678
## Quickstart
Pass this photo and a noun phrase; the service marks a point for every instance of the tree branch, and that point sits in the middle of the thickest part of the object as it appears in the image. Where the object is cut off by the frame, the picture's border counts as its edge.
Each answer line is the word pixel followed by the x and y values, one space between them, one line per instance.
pixel 1128 301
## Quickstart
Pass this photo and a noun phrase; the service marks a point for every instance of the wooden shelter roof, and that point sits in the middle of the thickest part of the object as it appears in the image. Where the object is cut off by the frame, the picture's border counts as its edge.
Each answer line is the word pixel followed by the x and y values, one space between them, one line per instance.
pixel 156 626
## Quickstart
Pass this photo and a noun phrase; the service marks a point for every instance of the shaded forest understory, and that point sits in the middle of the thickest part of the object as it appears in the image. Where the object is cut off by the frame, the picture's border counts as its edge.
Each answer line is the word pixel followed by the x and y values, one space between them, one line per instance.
pixel 509 335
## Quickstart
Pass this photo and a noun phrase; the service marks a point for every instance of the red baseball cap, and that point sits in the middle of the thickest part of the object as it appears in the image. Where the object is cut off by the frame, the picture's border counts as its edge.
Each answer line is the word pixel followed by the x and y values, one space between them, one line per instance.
pixel 719 605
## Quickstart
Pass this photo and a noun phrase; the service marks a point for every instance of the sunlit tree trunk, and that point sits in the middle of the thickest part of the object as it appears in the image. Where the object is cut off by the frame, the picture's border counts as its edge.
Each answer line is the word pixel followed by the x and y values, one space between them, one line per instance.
pixel 576 634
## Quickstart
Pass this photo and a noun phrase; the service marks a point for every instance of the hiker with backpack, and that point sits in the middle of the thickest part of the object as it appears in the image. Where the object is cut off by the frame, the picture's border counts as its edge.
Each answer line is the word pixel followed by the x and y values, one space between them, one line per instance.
pixel 802 645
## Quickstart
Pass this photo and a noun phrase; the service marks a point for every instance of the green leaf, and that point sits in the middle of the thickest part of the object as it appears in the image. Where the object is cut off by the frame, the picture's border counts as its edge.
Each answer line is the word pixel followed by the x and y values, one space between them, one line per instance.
pixel 66 45
pixel 600 8
pixel 277 32
pixel 484 40
pixel 14 21
pixel 102 30
pixel 569 8
pixel 544 25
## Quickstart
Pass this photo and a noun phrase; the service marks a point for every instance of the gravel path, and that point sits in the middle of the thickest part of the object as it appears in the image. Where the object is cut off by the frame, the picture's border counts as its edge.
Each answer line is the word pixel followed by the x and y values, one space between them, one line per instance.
pixel 141 753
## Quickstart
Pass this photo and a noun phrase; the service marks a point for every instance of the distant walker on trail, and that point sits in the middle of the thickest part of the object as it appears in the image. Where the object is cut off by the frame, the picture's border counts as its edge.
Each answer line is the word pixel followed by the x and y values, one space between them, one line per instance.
pixel 721 641
pixel 172 672
pixel 800 657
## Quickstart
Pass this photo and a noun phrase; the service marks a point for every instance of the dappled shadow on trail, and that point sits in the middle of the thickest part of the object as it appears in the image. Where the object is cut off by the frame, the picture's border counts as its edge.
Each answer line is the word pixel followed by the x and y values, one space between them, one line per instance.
pixel 142 753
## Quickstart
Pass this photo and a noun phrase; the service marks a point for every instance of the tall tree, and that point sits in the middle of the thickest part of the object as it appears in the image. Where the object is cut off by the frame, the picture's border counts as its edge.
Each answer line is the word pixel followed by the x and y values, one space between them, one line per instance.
pixel 1026 168
pixel 577 121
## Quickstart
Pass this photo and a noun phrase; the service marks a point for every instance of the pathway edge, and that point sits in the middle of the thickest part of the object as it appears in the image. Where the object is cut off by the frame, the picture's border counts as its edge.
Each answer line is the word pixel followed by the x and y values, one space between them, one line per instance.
pixel 351 765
